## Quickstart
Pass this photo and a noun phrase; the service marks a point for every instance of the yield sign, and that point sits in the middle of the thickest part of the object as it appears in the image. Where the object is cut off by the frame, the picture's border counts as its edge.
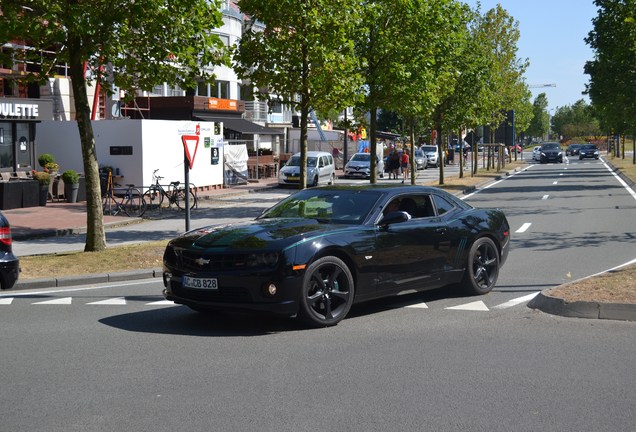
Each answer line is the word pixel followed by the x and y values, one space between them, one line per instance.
pixel 190 141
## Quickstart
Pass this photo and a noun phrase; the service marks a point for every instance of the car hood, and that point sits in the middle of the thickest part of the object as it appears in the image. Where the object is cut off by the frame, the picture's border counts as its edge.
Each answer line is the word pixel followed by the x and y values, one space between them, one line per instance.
pixel 263 234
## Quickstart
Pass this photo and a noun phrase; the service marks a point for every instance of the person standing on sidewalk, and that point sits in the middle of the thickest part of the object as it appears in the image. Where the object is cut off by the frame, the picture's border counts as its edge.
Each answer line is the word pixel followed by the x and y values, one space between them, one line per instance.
pixel 404 164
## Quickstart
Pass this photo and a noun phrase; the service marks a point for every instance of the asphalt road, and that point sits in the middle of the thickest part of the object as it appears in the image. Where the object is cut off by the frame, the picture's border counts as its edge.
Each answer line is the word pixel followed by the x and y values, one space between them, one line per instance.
pixel 104 358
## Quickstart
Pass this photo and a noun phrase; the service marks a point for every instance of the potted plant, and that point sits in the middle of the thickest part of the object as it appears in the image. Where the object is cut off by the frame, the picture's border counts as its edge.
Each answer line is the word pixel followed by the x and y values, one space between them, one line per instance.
pixel 44 179
pixel 71 185
pixel 47 161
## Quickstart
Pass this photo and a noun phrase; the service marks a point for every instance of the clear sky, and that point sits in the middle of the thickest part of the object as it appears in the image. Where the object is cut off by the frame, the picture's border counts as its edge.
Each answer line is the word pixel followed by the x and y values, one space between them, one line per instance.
pixel 552 39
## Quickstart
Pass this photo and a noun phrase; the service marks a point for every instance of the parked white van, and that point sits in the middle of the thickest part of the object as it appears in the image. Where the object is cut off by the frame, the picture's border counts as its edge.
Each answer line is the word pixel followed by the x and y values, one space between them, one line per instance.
pixel 320 169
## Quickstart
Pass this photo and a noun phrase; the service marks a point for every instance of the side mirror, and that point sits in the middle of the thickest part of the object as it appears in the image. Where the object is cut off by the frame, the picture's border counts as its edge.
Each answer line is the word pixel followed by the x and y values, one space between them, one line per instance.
pixel 394 217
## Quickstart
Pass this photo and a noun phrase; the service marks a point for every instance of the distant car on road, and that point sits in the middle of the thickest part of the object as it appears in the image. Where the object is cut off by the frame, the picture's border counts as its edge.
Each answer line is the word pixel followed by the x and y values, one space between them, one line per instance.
pixel 589 151
pixel 359 166
pixel 320 250
pixel 551 152
pixel 573 149
pixel 9 263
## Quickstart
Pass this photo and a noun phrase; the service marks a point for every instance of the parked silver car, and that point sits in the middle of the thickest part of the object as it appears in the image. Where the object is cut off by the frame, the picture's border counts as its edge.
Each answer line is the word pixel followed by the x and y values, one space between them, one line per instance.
pixel 359 166
pixel 320 169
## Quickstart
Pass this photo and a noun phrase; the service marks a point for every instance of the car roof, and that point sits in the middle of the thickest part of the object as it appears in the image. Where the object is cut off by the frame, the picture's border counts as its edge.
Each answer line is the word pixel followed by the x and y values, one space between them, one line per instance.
pixel 314 153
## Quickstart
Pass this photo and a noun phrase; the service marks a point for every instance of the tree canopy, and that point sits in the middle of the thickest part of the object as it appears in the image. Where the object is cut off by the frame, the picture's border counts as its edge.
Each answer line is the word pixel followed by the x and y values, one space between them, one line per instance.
pixel 134 45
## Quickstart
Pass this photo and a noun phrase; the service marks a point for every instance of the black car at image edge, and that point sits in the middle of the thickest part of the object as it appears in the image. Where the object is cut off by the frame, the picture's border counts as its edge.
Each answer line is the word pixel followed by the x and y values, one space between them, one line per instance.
pixel 320 250
pixel 9 264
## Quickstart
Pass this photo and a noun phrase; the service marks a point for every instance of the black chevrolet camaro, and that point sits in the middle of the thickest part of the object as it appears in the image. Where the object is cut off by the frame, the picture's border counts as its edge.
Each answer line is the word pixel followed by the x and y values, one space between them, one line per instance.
pixel 320 250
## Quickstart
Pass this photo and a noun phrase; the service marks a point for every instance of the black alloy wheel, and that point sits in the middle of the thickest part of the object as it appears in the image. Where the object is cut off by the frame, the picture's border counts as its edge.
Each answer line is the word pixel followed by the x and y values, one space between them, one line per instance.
pixel 327 292
pixel 483 267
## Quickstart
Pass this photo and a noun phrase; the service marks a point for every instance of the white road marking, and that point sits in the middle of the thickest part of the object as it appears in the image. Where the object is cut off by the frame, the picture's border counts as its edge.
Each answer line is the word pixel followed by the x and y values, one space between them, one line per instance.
pixel 515 302
pixel 474 306
pixel 59 301
pixel 545 197
pixel 6 300
pixel 418 306
pixel 161 303
pixel 556 182
pixel 112 301
pixel 524 227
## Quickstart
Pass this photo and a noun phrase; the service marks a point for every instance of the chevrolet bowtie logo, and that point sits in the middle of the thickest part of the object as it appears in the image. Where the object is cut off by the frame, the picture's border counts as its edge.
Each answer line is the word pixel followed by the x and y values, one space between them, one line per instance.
pixel 202 261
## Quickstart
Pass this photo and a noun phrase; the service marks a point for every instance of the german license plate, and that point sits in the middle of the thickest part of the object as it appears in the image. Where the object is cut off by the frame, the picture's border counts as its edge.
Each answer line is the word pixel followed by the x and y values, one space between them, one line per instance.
pixel 200 283
pixel 293 178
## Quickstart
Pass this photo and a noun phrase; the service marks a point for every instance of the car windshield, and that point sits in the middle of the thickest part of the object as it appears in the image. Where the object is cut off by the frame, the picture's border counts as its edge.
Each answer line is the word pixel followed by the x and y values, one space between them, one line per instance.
pixel 328 206
pixel 551 146
pixel 295 161
pixel 361 157
pixel 429 149
pixel 419 153
pixel 588 147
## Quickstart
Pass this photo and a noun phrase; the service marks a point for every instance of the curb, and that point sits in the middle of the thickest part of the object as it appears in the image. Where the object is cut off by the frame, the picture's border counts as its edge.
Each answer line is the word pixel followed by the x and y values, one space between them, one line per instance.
pixel 582 309
pixel 94 278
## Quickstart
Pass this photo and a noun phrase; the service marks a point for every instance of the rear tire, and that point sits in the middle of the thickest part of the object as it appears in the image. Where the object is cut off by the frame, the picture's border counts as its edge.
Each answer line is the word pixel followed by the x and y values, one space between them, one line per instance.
pixel 482 268
pixel 181 196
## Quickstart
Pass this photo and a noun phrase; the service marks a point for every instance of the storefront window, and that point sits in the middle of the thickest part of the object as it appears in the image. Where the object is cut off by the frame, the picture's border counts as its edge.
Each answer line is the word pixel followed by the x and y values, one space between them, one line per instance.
pixel 6 146
pixel 24 148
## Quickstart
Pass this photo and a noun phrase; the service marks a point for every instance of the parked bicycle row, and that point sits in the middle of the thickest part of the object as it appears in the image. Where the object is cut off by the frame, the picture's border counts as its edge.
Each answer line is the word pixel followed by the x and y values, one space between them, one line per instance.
pixel 135 201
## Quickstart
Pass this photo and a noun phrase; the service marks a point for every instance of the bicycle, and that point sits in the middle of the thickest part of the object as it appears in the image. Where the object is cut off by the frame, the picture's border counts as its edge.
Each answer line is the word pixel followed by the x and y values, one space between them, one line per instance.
pixel 131 201
pixel 176 195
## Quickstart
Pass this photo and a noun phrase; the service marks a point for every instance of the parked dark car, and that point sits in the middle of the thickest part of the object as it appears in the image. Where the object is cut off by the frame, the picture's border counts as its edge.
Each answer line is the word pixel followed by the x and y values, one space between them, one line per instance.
pixel 320 250
pixel 551 152
pixel 573 149
pixel 589 151
pixel 9 264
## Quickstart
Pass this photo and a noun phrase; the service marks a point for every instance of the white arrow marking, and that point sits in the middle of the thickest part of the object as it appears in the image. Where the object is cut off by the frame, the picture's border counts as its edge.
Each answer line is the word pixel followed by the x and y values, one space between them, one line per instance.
pixel 60 301
pixel 545 197
pixel 117 301
pixel 418 306
pixel 515 302
pixel 6 301
pixel 524 227
pixel 474 306
pixel 161 303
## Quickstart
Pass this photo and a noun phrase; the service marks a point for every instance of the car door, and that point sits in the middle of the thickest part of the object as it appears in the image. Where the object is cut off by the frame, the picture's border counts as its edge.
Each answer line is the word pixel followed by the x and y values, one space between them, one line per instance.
pixel 412 254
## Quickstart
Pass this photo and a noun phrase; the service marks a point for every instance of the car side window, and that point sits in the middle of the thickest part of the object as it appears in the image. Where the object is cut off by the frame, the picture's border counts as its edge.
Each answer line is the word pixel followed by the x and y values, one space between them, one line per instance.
pixel 443 206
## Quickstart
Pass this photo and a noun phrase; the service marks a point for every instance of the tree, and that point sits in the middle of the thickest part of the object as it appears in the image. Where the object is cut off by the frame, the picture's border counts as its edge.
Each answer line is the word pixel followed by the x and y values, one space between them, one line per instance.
pixel 576 120
pixel 612 88
pixel 539 125
pixel 303 55
pixel 143 43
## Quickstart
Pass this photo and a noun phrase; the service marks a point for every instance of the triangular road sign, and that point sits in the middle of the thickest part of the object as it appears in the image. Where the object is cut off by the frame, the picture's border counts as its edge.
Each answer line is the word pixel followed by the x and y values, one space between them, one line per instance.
pixel 189 142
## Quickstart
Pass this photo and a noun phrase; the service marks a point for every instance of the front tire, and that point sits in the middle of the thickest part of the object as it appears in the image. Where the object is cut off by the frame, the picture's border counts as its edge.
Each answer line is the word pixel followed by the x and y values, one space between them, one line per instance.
pixel 327 293
pixel 315 182
pixel 482 268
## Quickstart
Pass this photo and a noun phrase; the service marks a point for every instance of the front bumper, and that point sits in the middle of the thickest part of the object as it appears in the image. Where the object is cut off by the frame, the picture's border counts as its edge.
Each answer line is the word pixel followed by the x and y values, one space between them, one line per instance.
pixel 237 292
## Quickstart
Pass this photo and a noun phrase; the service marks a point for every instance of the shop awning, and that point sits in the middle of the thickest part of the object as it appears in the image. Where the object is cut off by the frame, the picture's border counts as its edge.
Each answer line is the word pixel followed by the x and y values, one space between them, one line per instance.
pixel 240 125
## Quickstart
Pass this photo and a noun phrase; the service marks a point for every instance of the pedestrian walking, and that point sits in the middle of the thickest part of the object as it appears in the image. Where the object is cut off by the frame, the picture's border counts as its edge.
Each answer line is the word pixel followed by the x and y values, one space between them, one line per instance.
pixel 404 164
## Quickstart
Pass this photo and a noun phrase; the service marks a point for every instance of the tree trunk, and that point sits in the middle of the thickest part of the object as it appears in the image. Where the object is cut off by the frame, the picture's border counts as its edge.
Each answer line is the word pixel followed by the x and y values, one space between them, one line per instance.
pixel 95 233
pixel 373 126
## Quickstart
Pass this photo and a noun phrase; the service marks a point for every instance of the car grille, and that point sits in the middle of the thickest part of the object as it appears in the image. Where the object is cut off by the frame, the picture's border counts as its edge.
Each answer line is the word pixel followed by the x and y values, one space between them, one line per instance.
pixel 212 262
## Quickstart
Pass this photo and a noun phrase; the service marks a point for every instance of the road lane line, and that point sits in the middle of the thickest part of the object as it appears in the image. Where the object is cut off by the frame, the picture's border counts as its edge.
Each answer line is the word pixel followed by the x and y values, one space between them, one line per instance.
pixel 6 300
pixel 524 227
pixel 545 197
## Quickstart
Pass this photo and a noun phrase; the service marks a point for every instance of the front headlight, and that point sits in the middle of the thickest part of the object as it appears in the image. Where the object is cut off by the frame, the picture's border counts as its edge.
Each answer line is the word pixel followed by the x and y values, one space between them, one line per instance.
pixel 263 259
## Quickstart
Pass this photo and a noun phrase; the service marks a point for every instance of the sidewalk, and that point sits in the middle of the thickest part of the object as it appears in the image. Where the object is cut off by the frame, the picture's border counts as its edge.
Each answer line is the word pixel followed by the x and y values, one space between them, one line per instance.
pixel 62 218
